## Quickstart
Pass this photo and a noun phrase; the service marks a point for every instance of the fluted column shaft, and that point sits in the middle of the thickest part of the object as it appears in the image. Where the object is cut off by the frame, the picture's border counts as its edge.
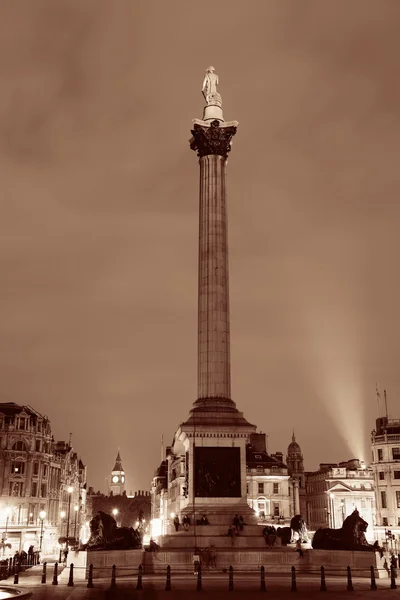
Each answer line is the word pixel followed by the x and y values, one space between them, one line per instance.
pixel 214 378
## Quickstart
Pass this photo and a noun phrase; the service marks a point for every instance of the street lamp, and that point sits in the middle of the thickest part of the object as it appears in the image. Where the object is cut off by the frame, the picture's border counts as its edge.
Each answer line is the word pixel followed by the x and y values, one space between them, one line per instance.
pixel 42 516
pixel 76 508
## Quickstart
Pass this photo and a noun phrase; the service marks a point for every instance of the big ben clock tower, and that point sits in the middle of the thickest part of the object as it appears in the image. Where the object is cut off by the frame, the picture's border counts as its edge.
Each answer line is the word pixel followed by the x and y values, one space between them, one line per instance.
pixel 117 486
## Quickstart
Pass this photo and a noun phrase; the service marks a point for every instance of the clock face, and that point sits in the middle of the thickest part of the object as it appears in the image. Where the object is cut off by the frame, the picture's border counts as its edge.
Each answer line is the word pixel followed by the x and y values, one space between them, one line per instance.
pixel 122 479
pixel 115 479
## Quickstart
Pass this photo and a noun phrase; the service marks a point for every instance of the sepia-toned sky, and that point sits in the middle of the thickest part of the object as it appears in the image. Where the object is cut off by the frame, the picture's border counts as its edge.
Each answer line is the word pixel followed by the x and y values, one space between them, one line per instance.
pixel 99 218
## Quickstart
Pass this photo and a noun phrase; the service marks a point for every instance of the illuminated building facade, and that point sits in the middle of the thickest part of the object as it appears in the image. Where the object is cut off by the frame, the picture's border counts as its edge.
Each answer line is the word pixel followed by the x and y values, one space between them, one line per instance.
pixel 117 486
pixel 385 445
pixel 335 490
pixel 268 482
pixel 33 475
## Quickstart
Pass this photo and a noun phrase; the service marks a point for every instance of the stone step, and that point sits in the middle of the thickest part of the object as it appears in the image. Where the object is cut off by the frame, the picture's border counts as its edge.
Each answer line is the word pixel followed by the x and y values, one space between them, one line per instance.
pixel 217 530
pixel 219 541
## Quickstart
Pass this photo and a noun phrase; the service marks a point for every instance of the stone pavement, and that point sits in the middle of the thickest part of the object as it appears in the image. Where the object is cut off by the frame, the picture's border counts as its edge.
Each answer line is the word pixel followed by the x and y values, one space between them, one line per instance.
pixel 215 586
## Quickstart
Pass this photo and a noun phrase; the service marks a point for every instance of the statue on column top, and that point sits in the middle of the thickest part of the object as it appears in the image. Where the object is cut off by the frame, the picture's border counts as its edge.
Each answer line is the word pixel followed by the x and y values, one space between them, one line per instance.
pixel 212 97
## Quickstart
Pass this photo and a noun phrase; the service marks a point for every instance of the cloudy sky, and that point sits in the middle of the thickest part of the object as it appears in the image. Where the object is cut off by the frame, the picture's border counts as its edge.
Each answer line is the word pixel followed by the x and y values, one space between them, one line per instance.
pixel 99 217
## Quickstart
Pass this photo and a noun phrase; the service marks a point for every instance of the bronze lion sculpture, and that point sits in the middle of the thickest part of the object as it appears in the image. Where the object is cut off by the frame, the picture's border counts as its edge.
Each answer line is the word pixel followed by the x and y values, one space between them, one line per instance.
pixel 351 536
pixel 105 535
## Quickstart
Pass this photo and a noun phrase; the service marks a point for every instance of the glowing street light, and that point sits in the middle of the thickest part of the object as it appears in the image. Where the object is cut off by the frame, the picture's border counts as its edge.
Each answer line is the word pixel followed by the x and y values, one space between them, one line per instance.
pixel 115 511
pixel 42 516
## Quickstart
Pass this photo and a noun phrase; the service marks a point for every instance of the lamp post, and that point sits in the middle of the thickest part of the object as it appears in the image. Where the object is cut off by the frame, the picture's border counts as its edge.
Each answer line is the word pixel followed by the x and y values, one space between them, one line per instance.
pixel 76 508
pixel 62 515
pixel 42 516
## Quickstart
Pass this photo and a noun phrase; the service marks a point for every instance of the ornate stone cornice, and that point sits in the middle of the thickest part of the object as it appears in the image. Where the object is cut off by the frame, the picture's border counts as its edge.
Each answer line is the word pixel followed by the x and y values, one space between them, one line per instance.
pixel 215 139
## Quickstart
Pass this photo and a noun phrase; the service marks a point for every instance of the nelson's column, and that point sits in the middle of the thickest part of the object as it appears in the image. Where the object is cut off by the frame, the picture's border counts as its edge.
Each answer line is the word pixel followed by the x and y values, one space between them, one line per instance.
pixel 214 437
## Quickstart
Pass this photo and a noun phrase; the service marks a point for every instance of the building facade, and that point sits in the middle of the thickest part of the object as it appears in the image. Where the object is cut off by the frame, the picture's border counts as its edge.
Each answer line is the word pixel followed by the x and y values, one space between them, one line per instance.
pixel 268 482
pixel 385 446
pixel 335 490
pixel 33 477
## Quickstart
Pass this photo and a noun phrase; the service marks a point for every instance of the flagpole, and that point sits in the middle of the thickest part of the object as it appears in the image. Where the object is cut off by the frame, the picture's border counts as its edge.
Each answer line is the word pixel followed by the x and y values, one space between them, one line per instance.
pixel 386 408
pixel 377 400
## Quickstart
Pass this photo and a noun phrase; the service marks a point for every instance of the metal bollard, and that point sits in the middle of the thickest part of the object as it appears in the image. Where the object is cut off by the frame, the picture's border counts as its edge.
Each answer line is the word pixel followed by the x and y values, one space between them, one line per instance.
pixel 199 579
pixel 373 582
pixel 393 585
pixel 55 574
pixel 168 581
pixel 44 572
pixel 16 576
pixel 230 579
pixel 90 577
pixel 139 585
pixel 113 584
pixel 294 584
pixel 71 575
pixel 262 582
pixel 323 580
pixel 349 580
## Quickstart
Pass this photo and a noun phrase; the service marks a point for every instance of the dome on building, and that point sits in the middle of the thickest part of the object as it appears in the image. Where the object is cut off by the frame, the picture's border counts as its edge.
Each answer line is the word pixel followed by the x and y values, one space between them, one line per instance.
pixel 293 447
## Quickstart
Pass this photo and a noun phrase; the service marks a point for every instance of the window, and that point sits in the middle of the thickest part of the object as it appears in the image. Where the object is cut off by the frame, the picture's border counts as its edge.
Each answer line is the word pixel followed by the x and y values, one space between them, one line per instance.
pixel 381 476
pixel 380 454
pixel 44 471
pixel 37 447
pixel 396 474
pixel 20 446
pixel 17 467
pixel 247 488
pixel 34 489
pixel 398 498
pixel 260 488
pixel 16 488
pixel 276 488
pixel 22 423
pixel 383 500
pixel 36 468
pixel 385 522
pixel 396 453
pixel 276 509
pixel 43 490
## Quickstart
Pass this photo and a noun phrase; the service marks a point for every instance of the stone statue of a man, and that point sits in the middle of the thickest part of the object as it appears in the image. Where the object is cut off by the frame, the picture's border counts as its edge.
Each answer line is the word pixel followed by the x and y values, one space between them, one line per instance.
pixel 210 87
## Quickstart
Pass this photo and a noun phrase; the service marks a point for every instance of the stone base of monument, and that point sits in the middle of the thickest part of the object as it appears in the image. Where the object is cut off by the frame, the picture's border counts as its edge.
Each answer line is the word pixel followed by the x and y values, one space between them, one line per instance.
pixel 214 535
pixel 277 561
